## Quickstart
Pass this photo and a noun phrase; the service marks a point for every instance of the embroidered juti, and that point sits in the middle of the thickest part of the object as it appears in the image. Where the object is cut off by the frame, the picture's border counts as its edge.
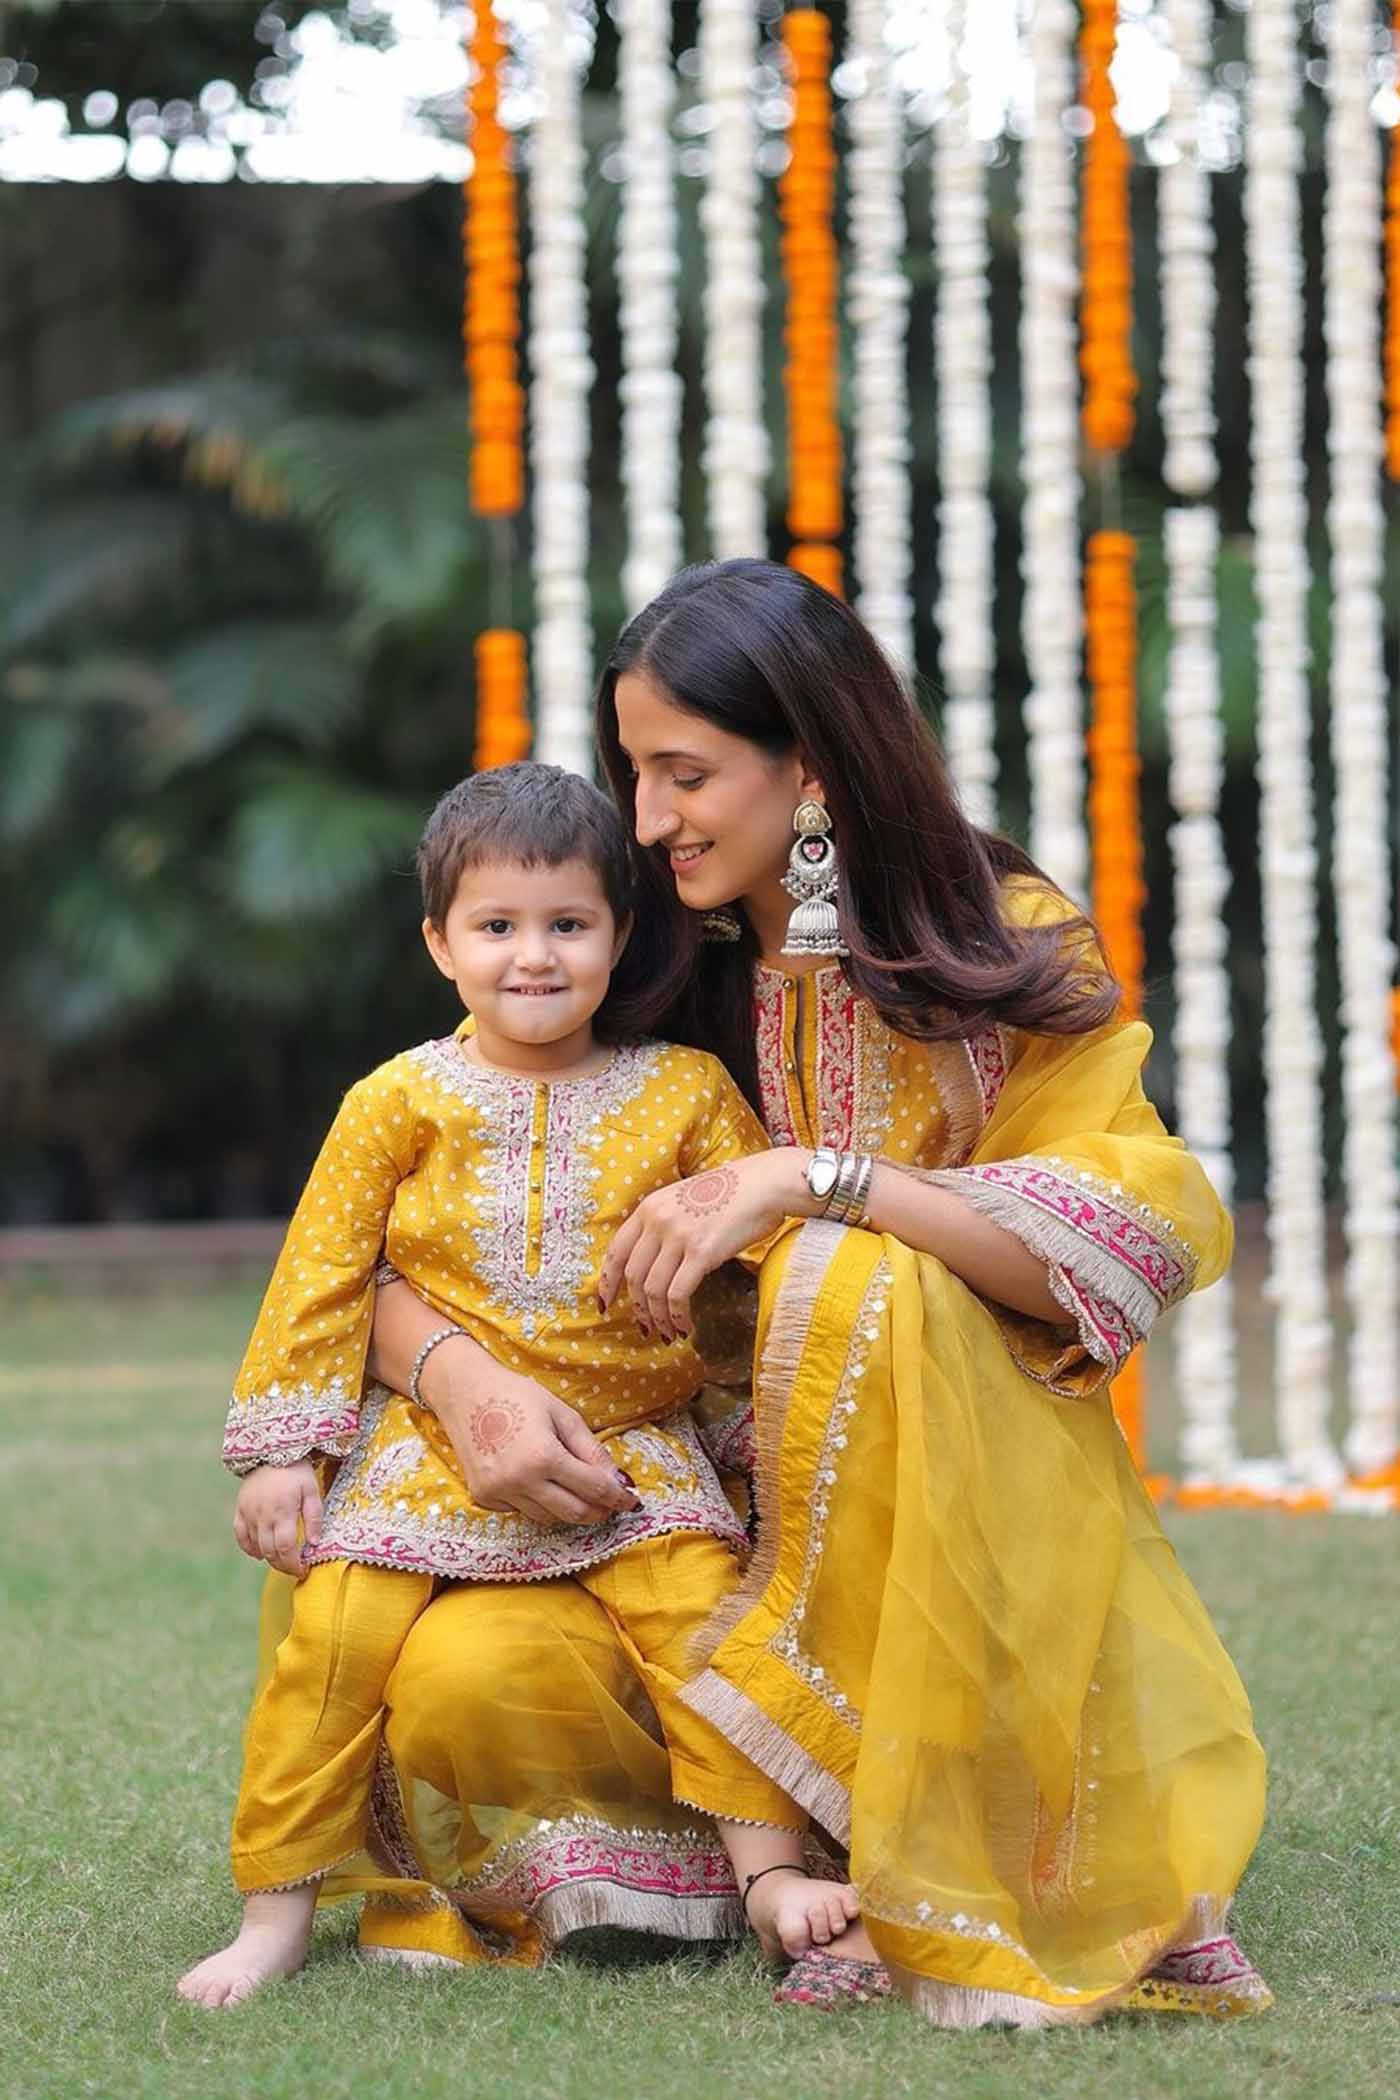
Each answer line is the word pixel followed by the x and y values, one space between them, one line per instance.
pixel 964 1643
pixel 497 1198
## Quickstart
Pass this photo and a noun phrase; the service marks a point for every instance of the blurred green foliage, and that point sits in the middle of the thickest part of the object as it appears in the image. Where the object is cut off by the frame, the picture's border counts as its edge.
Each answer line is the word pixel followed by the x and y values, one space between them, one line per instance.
pixel 237 599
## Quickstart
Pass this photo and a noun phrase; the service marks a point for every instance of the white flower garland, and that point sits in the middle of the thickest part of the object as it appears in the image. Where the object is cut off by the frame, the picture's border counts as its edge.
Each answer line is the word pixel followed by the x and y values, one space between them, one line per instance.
pixel 647 266
pixel 1206 1355
pixel 963 361
pixel 1360 745
pixel 1292 1043
pixel 877 303
pixel 1051 614
pixel 736 436
pixel 1206 1359
pixel 561 376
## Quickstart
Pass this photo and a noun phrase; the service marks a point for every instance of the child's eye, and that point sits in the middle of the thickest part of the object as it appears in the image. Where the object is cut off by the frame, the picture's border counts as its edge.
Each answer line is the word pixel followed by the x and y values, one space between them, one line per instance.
pixel 495 926
pixel 568 925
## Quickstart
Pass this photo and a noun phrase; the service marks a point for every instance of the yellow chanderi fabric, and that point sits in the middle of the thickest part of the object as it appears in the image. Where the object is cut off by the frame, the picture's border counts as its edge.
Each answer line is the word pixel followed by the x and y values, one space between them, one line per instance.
pixel 964 1643
pixel 313 1737
pixel 497 1199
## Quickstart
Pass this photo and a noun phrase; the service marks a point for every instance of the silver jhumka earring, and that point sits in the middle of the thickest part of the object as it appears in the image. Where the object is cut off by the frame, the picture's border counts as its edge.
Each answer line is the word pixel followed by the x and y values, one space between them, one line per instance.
pixel 720 925
pixel 811 879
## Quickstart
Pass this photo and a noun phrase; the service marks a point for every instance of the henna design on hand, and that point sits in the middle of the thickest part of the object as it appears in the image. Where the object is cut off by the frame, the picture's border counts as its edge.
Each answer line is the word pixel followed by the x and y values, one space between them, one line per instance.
pixel 495 1424
pixel 710 1192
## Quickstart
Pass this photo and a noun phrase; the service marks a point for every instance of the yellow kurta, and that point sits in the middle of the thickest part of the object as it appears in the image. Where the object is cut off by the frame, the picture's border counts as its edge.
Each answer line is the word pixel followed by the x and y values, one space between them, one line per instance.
pixel 497 1199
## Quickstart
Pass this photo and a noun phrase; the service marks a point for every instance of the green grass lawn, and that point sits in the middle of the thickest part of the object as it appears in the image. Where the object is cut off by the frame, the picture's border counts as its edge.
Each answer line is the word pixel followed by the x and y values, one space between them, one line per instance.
pixel 125 1655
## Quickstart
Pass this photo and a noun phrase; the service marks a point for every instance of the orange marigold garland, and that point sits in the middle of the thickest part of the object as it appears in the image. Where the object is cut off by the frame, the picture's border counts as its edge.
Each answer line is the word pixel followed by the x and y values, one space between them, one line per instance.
pixel 1110 388
pixel 1110 607
pixel 1115 825
pixel 502 724
pixel 491 348
pixel 806 193
pixel 1106 306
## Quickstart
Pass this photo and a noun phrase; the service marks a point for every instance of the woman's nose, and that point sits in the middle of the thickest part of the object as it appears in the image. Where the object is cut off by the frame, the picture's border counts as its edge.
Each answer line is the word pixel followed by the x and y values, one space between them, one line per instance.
pixel 654 820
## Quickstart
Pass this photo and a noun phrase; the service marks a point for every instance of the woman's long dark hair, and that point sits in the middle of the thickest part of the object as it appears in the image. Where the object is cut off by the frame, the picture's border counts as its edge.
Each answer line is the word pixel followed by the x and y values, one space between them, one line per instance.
pixel 763 652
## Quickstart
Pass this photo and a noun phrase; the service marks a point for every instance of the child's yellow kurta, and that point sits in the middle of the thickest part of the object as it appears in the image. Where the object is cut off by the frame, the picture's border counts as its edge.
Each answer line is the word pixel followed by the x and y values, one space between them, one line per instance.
pixel 497 1199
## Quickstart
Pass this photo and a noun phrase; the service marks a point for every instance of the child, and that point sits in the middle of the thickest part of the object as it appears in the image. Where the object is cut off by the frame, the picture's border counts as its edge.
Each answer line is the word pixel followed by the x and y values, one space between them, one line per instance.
pixel 493 1167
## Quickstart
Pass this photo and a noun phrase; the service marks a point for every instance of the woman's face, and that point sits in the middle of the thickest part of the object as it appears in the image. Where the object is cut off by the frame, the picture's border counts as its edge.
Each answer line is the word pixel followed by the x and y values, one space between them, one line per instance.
pixel 720 806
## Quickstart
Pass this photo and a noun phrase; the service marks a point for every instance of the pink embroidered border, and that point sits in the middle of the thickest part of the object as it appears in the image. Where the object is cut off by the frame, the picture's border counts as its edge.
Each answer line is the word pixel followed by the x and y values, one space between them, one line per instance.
pixel 1082 1205
pixel 542 1558
pixel 1105 1333
pixel 732 1444
pixel 986 1053
pixel 257 1435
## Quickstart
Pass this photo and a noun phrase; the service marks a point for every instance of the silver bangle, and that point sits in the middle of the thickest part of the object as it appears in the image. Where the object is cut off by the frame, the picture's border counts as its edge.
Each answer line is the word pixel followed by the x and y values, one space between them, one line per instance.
pixel 438 1335
pixel 839 1205
pixel 865 1173
pixel 847 1205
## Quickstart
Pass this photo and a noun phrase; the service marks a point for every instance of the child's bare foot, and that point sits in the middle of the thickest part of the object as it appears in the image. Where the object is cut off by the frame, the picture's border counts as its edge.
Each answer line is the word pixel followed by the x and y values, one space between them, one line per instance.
pixel 791 1912
pixel 272 1942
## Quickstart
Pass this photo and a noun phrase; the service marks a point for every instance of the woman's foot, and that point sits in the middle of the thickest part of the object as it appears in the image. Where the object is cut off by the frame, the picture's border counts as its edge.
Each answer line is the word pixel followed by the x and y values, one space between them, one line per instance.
pixel 272 1942
pixel 792 1912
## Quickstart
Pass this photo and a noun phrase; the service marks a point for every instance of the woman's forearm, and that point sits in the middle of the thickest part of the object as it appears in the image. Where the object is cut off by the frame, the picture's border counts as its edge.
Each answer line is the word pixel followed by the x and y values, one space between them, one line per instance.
pixel 988 1258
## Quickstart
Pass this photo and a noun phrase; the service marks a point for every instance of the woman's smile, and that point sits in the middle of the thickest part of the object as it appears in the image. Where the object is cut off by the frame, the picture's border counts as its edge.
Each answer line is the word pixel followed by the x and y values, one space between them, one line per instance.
pixel 685 857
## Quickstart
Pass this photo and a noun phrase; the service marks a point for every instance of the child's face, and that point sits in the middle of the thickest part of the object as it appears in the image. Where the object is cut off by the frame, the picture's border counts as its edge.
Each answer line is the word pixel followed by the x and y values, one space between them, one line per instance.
pixel 531 951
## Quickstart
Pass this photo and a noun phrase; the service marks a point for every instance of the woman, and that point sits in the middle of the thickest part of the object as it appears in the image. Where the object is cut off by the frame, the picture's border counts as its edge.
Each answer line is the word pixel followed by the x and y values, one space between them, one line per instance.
pixel 963 1643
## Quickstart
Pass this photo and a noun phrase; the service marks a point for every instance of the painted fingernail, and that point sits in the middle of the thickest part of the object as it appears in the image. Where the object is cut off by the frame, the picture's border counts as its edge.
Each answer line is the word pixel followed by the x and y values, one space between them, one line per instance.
pixel 626 1479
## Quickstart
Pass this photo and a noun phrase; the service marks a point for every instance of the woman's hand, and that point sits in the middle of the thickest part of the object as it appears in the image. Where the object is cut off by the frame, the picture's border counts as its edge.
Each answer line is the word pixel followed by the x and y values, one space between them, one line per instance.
pixel 271 1501
pixel 521 1449
pixel 677 1235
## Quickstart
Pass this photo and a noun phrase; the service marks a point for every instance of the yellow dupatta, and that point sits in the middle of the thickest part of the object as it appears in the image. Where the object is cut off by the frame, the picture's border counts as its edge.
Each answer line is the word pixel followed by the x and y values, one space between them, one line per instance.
pixel 964 1643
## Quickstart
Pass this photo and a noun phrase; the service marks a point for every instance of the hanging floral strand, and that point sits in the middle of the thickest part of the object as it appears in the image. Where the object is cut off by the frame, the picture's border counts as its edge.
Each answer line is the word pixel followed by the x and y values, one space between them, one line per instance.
pixel 1206 1353
pixel 562 375
pixel 1106 313
pixel 1050 604
pixel 963 361
pixel 1361 756
pixel 736 450
pixel 806 193
pixel 1278 512
pixel 491 353
pixel 1115 826
pixel 877 303
pixel 1110 612
pixel 647 268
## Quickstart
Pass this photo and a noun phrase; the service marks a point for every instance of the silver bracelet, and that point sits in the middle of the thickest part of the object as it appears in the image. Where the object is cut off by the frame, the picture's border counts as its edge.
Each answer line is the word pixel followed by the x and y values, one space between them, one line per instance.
pixel 847 1204
pixel 438 1335
pixel 865 1174
pixel 839 1201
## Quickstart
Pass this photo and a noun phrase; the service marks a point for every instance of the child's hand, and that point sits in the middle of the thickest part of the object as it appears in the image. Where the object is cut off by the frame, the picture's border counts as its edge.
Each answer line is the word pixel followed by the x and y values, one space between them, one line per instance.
pixel 270 1501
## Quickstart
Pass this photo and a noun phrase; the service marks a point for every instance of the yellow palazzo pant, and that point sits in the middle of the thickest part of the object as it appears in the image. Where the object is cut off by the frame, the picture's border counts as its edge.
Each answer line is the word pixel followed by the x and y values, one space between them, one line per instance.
pixel 314 1734
pixel 964 1645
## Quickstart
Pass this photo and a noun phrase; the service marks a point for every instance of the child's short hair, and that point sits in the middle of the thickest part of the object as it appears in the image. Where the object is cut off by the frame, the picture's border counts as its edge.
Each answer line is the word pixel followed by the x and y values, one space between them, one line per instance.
pixel 528 814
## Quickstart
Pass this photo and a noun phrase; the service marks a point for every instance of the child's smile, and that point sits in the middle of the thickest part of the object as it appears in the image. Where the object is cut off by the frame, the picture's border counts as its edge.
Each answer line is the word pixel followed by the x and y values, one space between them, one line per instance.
pixel 531 950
